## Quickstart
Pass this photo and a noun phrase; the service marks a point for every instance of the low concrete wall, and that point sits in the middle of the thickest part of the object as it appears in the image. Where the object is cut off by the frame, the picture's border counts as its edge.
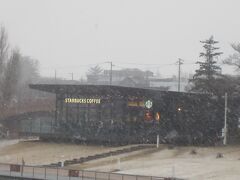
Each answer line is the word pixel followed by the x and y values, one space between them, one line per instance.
pixel 16 178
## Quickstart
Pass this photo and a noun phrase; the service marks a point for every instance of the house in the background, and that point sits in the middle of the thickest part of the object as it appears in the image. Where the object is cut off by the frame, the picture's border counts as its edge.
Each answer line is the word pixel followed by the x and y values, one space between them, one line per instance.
pixel 170 83
pixel 125 77
pixel 138 78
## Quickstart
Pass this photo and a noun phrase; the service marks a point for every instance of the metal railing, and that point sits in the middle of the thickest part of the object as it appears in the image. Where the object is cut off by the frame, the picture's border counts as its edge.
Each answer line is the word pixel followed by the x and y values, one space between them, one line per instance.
pixel 52 173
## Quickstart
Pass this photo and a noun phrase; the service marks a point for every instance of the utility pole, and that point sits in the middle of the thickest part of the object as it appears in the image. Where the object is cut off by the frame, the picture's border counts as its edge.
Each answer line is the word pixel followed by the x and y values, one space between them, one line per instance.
pixel 179 62
pixel 55 75
pixel 225 121
pixel 110 74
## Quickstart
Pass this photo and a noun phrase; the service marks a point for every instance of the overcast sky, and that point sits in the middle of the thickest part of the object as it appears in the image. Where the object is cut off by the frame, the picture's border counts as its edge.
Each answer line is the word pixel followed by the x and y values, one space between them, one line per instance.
pixel 70 35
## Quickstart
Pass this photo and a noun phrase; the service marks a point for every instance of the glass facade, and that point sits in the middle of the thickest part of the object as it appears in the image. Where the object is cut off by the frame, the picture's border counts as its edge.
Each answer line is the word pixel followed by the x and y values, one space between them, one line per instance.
pixel 126 115
pixel 101 116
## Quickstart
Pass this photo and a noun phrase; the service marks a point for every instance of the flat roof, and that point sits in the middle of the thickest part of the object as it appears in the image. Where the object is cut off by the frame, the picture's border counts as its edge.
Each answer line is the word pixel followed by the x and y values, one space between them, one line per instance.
pixel 102 90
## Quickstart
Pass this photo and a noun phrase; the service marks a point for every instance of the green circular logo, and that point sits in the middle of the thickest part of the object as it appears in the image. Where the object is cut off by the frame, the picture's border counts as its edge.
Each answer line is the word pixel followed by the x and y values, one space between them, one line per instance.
pixel 148 104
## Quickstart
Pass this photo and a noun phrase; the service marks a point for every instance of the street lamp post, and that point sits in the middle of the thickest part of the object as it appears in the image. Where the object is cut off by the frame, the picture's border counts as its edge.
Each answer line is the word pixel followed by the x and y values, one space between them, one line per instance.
pixel 225 121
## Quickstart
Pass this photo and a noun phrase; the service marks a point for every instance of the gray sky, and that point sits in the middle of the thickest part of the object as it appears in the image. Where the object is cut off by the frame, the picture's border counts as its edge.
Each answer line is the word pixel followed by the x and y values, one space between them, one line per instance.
pixel 68 35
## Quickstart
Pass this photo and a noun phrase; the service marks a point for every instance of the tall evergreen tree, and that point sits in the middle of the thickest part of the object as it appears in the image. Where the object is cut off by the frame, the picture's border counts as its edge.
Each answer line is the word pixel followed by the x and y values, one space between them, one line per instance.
pixel 209 74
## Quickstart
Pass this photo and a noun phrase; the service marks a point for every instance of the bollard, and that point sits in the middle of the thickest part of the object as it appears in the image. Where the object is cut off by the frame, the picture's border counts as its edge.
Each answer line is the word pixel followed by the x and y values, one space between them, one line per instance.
pixel 22 171
pixel 45 173
pixel 119 164
pixel 173 172
pixel 57 173
pixel 33 171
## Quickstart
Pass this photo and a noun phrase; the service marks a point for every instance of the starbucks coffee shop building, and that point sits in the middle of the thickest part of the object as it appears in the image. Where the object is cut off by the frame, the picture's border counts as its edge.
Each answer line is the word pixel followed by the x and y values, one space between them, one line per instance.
pixel 114 114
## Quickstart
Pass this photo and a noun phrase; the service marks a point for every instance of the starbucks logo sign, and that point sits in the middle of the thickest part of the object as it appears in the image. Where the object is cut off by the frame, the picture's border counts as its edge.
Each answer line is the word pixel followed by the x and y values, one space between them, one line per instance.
pixel 148 104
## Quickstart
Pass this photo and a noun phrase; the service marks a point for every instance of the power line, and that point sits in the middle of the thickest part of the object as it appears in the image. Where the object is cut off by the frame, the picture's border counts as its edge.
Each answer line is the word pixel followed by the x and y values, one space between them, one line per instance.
pixel 74 66
pixel 157 66
pixel 138 64
pixel 141 64
pixel 122 65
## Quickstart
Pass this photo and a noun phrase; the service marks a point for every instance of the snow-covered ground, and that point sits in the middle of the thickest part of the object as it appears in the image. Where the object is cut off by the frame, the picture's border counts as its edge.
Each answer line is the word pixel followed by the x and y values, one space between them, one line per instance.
pixel 6 142
pixel 178 162
pixel 39 153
